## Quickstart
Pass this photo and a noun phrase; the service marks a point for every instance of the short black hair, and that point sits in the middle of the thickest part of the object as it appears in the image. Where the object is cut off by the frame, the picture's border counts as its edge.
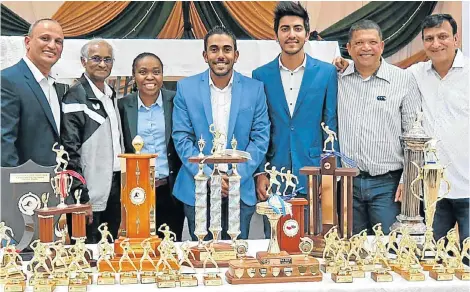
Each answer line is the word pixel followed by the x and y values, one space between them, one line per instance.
pixel 219 29
pixel 436 20
pixel 140 57
pixel 363 25
pixel 289 8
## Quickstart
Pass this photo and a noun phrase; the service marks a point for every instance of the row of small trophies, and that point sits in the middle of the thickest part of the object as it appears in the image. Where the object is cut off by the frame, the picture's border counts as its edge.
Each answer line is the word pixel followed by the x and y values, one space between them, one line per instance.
pixel 54 264
pixel 347 259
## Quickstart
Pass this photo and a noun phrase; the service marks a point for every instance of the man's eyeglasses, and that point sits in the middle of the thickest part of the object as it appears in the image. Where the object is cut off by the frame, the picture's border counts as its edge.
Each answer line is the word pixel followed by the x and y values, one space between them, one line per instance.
pixel 98 59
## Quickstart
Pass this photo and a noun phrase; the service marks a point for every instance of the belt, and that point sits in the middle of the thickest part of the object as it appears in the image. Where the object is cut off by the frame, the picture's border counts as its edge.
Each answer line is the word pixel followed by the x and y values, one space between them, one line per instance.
pixel 161 182
pixel 365 174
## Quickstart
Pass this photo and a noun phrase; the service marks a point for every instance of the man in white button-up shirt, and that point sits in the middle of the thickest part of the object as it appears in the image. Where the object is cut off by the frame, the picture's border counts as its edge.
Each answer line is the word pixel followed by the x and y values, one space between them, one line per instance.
pixel 443 82
pixel 91 133
pixel 31 99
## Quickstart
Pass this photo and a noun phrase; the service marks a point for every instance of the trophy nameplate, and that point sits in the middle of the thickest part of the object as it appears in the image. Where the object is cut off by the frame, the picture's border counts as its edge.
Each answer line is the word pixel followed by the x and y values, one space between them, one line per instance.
pixel 78 285
pixel 342 278
pixel 61 278
pixel 128 278
pixel 357 272
pixel 441 275
pixel 381 276
pixel 15 285
pixel 106 278
pixel 212 279
pixel 148 277
pixel 462 274
pixel 188 280
pixel 44 285
pixel 166 281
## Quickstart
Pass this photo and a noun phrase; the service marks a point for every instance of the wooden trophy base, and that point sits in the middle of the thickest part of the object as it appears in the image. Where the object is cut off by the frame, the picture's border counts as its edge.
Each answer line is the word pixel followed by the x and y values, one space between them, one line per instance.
pixel 127 278
pixel 463 274
pixel 224 253
pixel 251 271
pixel 381 277
pixel 441 275
pixel 412 277
pixel 44 285
pixel 136 245
pixel 328 267
pixel 78 285
pixel 342 278
pixel 127 267
pixel 188 280
pixel 148 277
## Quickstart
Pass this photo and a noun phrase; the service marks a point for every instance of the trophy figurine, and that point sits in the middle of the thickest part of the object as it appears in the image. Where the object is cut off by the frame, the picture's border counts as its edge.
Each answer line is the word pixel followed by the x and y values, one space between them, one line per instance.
pixel 106 253
pixel 201 143
pixel 463 272
pixel 211 279
pixel 147 275
pixel 128 272
pixel 11 273
pixel 343 271
pixel 187 279
pixel 332 240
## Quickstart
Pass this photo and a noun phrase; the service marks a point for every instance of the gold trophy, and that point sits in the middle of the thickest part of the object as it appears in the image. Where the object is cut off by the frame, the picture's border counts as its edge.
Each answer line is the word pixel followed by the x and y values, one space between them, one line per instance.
pixel 332 241
pixel 167 277
pixel 187 279
pixel 431 175
pixel 147 276
pixel 343 272
pixel 211 279
pixel 127 269
pixel 106 253
pixel 12 274
pixel 463 272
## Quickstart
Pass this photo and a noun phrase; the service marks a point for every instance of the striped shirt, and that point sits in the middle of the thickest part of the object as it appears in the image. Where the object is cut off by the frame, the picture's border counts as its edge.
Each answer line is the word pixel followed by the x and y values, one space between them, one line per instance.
pixel 373 113
pixel 446 117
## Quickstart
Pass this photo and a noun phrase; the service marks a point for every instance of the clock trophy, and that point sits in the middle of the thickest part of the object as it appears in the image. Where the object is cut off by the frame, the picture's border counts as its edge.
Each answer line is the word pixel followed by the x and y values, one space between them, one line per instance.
pixel 138 224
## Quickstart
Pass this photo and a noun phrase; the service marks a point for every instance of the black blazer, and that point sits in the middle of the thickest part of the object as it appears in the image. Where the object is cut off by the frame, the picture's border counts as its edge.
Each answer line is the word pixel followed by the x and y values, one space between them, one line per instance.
pixel 28 126
pixel 129 117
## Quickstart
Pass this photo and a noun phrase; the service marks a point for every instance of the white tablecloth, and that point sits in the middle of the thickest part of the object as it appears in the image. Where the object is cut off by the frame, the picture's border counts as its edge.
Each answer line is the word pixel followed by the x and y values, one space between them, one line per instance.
pixel 363 285
pixel 180 57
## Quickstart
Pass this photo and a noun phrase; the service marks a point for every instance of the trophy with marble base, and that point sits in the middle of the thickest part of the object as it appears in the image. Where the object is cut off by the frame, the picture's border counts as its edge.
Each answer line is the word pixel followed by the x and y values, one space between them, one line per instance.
pixel 15 285
pixel 440 273
pixel 44 285
pixel 413 143
pixel 106 253
pixel 167 279
pixel 78 284
pixel 223 252
pixel 12 275
pixel 106 278
pixel 187 280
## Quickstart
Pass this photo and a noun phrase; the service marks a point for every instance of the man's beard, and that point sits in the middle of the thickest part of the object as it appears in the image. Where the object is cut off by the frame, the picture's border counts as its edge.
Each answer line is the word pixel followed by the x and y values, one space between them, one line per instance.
pixel 229 69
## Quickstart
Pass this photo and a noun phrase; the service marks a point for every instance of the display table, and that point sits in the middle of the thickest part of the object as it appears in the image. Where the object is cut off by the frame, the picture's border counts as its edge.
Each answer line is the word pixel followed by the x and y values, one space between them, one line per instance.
pixel 365 284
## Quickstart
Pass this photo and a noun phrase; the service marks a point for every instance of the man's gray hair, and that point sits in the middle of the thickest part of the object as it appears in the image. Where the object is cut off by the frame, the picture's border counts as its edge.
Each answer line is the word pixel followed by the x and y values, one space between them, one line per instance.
pixel 34 24
pixel 86 47
pixel 363 25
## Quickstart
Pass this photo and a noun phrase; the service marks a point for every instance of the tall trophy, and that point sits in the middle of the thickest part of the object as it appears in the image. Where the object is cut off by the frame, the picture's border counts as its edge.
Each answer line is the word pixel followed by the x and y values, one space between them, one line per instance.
pixel 61 184
pixel 138 235
pixel 413 143
pixel 431 175
pixel 221 252
pixel 275 265
pixel 343 214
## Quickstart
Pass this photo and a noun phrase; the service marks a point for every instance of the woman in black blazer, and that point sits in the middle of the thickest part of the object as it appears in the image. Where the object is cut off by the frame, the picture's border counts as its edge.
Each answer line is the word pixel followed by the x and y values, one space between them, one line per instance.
pixel 148 113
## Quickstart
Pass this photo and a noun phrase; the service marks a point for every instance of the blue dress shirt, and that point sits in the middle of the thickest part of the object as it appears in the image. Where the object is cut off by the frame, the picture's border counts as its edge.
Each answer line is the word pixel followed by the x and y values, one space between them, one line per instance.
pixel 151 127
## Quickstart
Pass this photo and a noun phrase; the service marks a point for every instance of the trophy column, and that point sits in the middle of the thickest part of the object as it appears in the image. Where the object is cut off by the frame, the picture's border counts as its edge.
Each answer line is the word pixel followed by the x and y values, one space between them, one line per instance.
pixel 413 146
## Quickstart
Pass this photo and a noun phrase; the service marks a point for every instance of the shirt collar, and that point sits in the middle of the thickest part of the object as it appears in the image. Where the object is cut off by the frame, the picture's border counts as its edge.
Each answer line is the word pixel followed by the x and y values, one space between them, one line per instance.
pixel 281 66
pixel 158 102
pixel 98 93
pixel 38 76
pixel 229 85
pixel 383 72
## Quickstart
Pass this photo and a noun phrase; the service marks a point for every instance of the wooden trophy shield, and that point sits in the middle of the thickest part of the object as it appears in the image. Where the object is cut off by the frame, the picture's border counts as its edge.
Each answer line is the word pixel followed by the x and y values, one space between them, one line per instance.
pixel 21 189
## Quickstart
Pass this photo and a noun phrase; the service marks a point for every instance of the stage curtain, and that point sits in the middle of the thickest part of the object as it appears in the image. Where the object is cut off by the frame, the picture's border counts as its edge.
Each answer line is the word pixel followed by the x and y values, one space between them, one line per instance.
pixel 199 29
pixel 82 17
pixel 256 17
pixel 213 13
pixel 173 28
pixel 139 20
pixel 418 57
pixel 400 23
pixel 12 24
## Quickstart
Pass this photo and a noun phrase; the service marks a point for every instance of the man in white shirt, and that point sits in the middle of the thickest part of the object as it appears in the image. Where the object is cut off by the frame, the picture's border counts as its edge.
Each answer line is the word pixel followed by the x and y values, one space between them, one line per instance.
pixel 91 134
pixel 236 106
pixel 443 82
pixel 30 99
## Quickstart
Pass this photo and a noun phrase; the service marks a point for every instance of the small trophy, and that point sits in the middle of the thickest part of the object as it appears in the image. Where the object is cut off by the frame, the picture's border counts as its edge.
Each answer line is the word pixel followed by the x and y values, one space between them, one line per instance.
pixel 106 253
pixel 343 271
pixel 147 275
pixel 11 273
pixel 211 279
pixel 127 268
pixel 332 242
pixel 463 272
pixel 201 143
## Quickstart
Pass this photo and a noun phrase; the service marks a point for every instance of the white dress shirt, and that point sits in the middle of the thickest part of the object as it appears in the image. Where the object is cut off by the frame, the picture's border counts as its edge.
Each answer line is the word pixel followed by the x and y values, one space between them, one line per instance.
pixel 47 86
pixel 221 100
pixel 446 118
pixel 105 99
pixel 291 82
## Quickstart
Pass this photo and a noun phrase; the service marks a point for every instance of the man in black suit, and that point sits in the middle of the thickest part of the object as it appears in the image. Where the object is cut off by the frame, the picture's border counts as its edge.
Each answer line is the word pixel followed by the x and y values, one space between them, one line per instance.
pixel 31 100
